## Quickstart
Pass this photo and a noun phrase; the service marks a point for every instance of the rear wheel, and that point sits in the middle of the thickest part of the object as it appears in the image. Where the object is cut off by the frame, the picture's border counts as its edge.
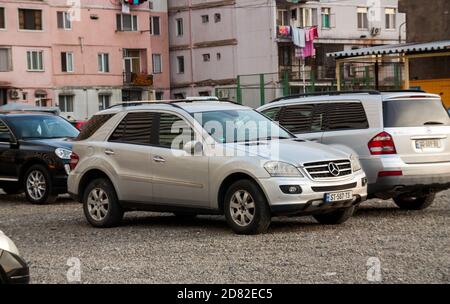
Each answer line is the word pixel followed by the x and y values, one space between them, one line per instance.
pixel 335 217
pixel 246 208
pixel 100 204
pixel 411 202
pixel 38 185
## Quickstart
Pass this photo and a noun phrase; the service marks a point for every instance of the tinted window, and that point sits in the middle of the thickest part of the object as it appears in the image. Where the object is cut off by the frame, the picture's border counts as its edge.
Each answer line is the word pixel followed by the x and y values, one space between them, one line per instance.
pixel 93 125
pixel 5 136
pixel 174 132
pixel 135 128
pixel 297 119
pixel 346 116
pixel 414 113
pixel 42 127
pixel 272 113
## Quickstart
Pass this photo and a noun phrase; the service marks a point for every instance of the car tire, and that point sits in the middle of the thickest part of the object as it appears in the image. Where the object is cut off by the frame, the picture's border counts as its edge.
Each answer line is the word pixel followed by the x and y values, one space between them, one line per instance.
pixel 12 189
pixel 185 215
pixel 38 187
pixel 101 205
pixel 410 202
pixel 335 217
pixel 246 208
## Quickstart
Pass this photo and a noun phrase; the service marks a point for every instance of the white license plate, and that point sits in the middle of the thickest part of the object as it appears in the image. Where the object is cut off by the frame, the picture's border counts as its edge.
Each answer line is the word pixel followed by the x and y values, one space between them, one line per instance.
pixel 428 144
pixel 338 196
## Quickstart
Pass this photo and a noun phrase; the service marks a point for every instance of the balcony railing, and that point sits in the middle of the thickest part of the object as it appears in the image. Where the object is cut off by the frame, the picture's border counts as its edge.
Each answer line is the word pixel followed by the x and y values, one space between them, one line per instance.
pixel 137 79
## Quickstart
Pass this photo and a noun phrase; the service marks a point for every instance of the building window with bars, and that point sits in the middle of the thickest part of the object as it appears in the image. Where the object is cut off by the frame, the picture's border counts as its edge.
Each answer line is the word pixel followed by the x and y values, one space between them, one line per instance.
pixel 390 18
pixel 30 19
pixel 363 21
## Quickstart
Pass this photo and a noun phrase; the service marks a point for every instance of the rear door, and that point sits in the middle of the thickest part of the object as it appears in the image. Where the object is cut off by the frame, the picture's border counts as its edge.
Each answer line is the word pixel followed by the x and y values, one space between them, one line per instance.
pixel 420 128
pixel 8 167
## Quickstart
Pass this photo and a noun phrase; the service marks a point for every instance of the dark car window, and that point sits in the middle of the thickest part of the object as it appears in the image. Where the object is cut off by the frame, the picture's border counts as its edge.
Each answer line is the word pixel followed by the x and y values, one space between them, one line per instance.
pixel 346 116
pixel 414 113
pixel 272 113
pixel 5 135
pixel 298 118
pixel 135 128
pixel 93 125
pixel 173 132
pixel 42 127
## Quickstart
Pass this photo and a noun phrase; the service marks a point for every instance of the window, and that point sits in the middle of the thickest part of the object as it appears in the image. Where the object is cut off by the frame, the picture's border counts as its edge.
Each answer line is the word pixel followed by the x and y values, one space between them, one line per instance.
pixel 103 63
pixel 135 129
pixel 297 119
pixel 159 95
pixel 206 57
pixel 294 14
pixel 308 17
pixel 326 18
pixel 363 22
pixel 272 113
pixel 217 17
pixel 205 19
pixel 204 93
pixel 219 56
pixel 5 60
pixel 157 63
pixel 180 29
pixel 34 61
pixel 179 95
pixel 2 18
pixel 282 18
pixel 390 18
pixel 127 23
pixel 155 26
pixel 174 132
pixel 346 116
pixel 66 62
pixel 30 19
pixel 66 103
pixel 64 21
pixel 5 135
pixel 180 64
pixel 93 125
pixel 104 101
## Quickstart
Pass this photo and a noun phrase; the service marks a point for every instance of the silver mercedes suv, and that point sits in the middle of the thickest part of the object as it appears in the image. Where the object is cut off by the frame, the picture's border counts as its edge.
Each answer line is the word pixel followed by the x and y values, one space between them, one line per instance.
pixel 402 138
pixel 208 157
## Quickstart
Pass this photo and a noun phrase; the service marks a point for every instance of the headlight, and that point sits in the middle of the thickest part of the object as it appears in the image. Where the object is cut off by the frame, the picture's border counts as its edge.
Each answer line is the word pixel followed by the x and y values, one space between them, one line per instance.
pixel 356 166
pixel 63 153
pixel 275 168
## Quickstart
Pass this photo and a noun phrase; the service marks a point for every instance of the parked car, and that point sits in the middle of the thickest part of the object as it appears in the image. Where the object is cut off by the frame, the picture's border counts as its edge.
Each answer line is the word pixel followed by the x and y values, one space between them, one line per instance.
pixel 401 138
pixel 79 124
pixel 35 151
pixel 183 157
pixel 13 268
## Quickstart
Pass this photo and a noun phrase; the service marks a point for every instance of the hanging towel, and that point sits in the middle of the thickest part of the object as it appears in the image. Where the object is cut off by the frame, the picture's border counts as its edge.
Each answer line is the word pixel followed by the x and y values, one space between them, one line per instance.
pixel 298 37
pixel 302 37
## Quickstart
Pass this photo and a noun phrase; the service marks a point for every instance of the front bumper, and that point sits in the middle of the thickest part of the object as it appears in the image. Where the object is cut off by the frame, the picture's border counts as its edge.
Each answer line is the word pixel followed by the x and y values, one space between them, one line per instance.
pixel 311 200
pixel 13 269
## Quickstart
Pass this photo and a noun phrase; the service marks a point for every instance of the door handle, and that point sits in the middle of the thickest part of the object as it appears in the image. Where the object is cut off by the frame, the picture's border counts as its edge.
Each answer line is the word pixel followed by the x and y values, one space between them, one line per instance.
pixel 159 159
pixel 109 152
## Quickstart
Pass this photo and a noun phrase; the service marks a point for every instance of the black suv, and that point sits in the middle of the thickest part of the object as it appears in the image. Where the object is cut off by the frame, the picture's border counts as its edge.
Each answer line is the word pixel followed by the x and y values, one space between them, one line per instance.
pixel 35 152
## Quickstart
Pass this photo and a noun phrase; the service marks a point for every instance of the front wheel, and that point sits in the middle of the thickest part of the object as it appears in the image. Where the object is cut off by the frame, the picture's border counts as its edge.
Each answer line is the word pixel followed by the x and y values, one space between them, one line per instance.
pixel 410 202
pixel 336 217
pixel 246 208
pixel 100 204
pixel 38 185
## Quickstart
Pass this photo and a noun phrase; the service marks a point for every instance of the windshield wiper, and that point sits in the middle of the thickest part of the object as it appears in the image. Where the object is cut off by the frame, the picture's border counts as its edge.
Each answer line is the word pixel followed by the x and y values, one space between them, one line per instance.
pixel 433 123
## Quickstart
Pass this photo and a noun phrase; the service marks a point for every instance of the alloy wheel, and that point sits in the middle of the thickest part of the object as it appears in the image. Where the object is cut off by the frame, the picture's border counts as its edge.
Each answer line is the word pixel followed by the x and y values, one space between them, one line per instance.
pixel 242 208
pixel 98 204
pixel 36 185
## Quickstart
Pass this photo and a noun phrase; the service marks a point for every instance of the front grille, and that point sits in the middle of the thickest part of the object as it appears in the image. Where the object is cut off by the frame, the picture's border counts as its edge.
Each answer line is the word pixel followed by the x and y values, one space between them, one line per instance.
pixel 321 170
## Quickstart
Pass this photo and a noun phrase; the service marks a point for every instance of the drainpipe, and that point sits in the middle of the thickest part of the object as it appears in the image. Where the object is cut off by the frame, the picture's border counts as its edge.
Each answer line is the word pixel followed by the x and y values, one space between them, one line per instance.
pixel 191 46
pixel 400 32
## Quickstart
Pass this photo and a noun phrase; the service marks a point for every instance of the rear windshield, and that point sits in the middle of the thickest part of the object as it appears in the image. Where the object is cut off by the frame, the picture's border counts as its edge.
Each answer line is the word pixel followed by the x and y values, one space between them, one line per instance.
pixel 93 125
pixel 415 113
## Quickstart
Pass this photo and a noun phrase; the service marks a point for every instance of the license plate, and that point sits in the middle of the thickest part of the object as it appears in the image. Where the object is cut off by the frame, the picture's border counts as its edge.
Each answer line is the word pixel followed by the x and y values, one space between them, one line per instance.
pixel 338 196
pixel 428 144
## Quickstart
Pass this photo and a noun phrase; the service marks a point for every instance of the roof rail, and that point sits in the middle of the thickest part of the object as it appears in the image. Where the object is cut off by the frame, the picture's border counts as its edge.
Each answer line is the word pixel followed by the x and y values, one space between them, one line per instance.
pixel 171 102
pixel 404 91
pixel 324 94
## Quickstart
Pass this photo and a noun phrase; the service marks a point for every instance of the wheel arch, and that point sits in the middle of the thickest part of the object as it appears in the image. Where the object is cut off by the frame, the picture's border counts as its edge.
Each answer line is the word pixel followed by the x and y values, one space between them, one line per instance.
pixel 90 175
pixel 28 164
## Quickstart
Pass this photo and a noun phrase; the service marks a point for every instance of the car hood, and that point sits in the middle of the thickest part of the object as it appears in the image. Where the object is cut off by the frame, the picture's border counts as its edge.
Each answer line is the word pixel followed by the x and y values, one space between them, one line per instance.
pixel 66 143
pixel 7 245
pixel 293 151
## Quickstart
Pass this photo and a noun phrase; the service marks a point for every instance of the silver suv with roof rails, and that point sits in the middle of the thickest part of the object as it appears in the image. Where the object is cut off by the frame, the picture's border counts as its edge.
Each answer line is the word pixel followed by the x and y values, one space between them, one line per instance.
pixel 402 138
pixel 208 157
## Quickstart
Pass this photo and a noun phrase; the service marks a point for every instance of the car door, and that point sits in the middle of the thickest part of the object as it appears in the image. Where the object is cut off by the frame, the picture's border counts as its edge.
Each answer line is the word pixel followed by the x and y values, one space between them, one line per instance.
pixel 128 151
pixel 179 178
pixel 8 167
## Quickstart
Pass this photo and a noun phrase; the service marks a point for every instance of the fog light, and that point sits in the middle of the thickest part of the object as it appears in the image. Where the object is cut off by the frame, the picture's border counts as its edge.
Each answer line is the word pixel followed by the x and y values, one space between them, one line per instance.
pixel 364 181
pixel 291 189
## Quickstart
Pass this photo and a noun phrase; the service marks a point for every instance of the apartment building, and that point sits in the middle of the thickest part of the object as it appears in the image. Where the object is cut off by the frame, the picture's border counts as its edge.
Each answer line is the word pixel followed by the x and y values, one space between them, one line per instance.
pixel 83 57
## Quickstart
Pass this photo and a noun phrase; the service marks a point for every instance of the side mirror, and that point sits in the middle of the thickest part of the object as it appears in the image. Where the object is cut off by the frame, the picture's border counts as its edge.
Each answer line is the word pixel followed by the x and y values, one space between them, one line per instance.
pixel 193 147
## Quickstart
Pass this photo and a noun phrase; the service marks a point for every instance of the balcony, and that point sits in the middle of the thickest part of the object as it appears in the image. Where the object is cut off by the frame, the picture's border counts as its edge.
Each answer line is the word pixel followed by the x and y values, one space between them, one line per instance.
pixel 137 79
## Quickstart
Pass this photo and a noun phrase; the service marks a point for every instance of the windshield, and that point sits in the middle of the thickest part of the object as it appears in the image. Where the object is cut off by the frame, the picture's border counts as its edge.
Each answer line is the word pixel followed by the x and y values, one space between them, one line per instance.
pixel 415 113
pixel 240 126
pixel 42 127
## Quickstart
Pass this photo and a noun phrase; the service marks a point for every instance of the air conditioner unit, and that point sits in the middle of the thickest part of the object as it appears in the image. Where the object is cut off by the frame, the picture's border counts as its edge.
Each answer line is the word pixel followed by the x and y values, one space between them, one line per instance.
pixel 14 94
pixel 375 31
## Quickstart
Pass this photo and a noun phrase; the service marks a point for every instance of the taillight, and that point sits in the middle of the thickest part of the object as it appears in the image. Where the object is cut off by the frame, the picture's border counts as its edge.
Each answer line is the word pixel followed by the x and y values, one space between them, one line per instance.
pixel 382 143
pixel 74 158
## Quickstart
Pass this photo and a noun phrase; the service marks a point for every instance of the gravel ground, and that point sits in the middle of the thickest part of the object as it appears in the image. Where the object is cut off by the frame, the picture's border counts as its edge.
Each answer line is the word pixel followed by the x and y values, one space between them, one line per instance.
pixel 412 246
